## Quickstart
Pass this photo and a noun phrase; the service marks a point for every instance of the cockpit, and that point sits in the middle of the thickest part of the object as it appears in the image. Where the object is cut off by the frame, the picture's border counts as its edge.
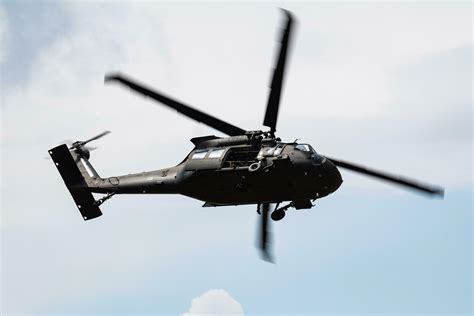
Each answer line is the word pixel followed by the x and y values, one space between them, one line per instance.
pixel 305 148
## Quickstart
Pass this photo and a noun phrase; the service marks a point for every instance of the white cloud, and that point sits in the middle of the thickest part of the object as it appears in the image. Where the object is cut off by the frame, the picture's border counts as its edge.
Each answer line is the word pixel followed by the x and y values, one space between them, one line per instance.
pixel 215 302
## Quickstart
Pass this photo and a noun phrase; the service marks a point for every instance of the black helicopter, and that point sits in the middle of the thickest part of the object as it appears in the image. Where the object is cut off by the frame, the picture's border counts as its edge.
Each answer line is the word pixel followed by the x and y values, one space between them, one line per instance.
pixel 248 167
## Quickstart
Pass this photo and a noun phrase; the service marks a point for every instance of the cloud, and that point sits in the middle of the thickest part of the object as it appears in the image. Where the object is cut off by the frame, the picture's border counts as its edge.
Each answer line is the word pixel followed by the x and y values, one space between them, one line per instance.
pixel 214 302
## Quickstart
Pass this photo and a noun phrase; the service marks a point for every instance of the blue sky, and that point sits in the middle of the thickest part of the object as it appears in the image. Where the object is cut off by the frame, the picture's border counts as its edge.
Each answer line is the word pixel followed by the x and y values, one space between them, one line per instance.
pixel 386 85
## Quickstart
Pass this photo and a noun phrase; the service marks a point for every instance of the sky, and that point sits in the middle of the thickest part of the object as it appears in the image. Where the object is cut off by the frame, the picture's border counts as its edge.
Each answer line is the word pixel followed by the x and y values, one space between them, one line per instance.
pixel 387 85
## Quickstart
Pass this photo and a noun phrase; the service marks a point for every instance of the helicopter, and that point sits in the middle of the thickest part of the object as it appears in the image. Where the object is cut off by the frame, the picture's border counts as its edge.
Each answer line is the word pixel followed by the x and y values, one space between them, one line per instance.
pixel 245 167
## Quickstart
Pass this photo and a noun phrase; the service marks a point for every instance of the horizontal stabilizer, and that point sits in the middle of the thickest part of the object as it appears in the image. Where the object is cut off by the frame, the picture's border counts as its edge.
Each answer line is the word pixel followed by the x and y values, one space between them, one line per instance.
pixel 75 182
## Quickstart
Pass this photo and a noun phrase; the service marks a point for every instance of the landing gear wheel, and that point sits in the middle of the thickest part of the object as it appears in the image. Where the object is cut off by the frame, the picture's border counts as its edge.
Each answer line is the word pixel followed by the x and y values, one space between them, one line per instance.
pixel 278 215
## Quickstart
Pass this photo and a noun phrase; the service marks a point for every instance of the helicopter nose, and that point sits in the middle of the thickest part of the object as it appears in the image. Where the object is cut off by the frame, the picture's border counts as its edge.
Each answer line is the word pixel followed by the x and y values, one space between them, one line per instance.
pixel 331 179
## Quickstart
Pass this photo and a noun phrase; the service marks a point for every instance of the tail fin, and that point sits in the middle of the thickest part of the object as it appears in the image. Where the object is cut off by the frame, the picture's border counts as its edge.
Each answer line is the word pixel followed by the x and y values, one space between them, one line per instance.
pixel 78 175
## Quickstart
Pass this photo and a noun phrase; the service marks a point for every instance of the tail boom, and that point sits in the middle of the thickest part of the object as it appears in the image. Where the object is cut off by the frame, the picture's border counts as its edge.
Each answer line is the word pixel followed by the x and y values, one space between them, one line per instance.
pixel 82 180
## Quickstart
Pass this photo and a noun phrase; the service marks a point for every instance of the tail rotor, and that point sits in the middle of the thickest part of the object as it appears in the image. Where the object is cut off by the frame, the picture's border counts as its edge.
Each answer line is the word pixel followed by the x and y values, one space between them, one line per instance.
pixel 80 146
pixel 82 143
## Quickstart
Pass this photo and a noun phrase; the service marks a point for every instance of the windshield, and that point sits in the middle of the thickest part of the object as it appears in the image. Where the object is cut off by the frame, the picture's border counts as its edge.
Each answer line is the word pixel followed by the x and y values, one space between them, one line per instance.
pixel 305 147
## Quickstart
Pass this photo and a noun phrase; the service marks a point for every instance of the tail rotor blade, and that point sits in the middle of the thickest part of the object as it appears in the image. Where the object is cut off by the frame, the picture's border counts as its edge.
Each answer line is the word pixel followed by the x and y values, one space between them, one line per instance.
pixel 96 137
pixel 273 104
pixel 409 183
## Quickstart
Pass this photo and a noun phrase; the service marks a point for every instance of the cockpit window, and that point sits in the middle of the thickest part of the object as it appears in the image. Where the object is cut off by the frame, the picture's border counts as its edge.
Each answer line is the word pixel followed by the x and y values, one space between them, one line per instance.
pixel 305 147
pixel 216 153
pixel 199 154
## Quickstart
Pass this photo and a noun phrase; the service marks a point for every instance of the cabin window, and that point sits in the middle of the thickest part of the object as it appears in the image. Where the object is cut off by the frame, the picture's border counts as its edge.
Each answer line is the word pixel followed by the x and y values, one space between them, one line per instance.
pixel 270 151
pixel 199 155
pixel 240 158
pixel 278 150
pixel 216 153
pixel 267 151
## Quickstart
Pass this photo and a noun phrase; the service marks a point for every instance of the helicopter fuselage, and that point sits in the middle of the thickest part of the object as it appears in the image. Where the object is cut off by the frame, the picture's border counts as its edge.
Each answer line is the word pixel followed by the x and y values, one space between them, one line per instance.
pixel 236 174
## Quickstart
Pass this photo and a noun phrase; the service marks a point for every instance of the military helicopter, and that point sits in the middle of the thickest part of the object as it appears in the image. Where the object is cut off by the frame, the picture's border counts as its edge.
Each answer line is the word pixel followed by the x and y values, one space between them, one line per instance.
pixel 247 167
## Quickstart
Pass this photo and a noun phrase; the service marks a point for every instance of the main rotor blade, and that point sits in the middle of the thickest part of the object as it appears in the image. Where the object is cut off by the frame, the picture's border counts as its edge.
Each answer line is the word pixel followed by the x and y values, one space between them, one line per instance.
pixel 265 235
pixel 434 190
pixel 190 112
pixel 273 104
